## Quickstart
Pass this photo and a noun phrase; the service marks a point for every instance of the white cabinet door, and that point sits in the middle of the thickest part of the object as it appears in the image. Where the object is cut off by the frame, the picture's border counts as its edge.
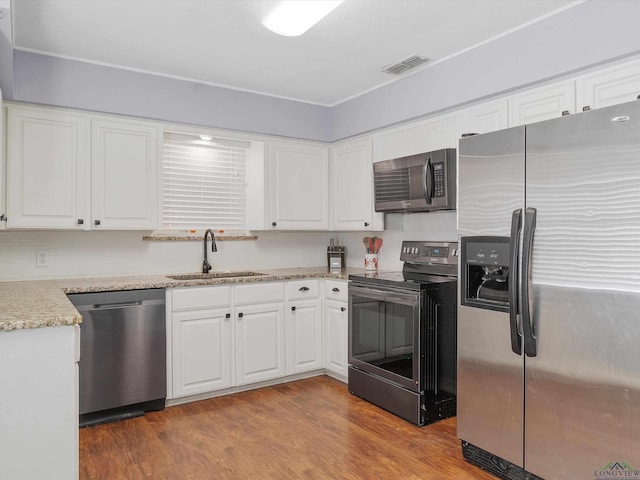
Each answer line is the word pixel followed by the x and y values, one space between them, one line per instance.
pixel 39 405
pixel 3 170
pixel 351 186
pixel 201 349
pixel 431 134
pixel 259 342
pixel 486 117
pixel 304 335
pixel 337 333
pixel 298 186
pixel 541 103
pixel 125 182
pixel 609 86
pixel 47 174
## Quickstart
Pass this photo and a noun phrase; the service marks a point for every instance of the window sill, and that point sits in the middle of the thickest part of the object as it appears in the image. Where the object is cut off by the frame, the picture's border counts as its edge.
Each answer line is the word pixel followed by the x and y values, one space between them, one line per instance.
pixel 182 238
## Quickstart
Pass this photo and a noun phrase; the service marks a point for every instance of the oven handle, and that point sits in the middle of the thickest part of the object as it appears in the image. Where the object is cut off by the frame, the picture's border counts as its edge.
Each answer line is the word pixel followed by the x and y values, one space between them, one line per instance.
pixel 412 298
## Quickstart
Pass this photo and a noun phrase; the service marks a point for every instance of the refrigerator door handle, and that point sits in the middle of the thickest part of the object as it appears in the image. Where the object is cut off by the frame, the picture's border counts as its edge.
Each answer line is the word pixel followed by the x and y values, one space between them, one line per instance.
pixel 530 342
pixel 514 246
pixel 427 181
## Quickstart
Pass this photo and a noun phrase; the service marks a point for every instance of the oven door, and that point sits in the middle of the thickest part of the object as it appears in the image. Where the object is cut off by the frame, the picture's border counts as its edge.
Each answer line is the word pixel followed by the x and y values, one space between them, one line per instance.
pixel 384 325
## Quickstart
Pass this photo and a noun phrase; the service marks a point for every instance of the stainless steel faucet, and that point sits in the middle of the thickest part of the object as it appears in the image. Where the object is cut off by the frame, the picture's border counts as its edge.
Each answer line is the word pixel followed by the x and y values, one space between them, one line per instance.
pixel 206 266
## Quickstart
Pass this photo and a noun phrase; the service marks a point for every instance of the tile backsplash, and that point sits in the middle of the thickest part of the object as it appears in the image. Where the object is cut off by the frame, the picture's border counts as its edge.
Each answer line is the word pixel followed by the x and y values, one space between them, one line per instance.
pixel 96 254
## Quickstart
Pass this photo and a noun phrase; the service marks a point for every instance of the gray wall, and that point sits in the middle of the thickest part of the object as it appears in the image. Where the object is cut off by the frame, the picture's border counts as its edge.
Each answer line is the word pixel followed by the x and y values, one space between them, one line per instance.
pixel 69 83
pixel 589 34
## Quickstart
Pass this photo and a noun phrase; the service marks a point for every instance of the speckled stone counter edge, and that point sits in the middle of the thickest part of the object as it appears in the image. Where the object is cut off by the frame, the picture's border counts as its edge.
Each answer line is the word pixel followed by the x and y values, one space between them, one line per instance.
pixel 37 304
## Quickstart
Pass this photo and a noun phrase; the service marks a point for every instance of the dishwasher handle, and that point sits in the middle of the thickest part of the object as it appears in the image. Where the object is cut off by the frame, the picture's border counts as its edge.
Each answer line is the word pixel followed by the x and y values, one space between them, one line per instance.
pixel 86 307
pixel 105 306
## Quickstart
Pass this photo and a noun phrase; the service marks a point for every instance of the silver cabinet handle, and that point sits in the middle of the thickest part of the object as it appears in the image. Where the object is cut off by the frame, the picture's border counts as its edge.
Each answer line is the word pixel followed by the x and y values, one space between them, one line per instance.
pixel 303 289
pixel 335 289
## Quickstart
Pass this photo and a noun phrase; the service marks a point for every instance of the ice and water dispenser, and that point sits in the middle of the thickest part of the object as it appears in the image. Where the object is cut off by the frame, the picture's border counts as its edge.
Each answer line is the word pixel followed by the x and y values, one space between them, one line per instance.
pixel 485 272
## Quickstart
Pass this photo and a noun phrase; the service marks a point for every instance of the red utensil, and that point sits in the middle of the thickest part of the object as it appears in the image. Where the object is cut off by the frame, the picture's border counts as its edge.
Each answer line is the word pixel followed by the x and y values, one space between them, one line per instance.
pixel 377 244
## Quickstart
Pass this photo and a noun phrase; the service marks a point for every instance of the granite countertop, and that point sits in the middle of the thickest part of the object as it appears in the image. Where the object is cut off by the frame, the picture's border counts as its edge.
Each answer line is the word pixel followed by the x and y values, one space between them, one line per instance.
pixel 44 303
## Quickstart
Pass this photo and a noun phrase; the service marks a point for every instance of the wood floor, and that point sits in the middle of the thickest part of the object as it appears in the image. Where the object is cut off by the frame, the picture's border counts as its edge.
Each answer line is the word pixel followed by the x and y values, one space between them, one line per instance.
pixel 309 429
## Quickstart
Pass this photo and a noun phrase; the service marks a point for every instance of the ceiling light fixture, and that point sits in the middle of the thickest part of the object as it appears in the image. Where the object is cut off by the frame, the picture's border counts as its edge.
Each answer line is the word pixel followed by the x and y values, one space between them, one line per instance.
pixel 206 138
pixel 294 17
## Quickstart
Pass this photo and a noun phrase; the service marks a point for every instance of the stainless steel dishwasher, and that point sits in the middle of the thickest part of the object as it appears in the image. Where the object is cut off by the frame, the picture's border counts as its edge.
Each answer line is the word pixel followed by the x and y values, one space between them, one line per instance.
pixel 122 354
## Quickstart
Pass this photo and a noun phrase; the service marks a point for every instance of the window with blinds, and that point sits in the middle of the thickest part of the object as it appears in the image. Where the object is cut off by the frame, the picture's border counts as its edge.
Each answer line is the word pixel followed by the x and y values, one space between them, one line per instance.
pixel 204 182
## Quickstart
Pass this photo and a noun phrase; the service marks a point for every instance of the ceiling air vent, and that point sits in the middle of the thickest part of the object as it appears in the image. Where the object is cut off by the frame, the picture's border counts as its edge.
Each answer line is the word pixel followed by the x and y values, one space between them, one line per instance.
pixel 405 64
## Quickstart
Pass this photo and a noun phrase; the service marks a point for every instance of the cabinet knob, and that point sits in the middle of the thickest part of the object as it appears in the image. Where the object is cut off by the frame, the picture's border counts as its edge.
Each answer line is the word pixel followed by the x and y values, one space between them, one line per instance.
pixel 335 289
pixel 273 224
pixel 3 218
pixel 228 315
pixel 240 315
pixel 96 222
pixel 366 224
pixel 81 221
pixel 293 309
pixel 303 289
pixel 342 309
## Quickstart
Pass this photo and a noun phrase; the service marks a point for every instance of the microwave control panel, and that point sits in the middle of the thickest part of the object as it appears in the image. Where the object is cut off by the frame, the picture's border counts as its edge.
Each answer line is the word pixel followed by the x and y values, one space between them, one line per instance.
pixel 438 179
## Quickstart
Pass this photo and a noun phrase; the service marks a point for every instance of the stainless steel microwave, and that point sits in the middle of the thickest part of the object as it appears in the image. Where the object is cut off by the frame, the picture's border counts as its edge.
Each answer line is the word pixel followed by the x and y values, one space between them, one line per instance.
pixel 417 183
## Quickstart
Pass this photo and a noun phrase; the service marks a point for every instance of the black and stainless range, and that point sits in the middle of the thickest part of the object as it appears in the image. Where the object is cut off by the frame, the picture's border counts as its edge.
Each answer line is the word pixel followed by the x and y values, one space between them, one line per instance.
pixel 402 334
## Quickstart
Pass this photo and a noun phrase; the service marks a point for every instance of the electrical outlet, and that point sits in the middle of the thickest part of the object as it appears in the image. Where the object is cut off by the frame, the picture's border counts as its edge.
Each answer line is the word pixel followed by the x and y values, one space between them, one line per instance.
pixel 42 258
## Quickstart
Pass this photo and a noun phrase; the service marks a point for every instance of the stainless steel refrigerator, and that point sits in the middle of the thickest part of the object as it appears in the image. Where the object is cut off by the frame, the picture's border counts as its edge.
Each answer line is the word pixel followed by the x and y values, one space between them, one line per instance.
pixel 549 297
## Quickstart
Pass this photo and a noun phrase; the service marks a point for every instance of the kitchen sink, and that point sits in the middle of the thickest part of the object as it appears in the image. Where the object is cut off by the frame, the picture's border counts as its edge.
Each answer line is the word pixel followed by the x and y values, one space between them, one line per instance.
pixel 204 276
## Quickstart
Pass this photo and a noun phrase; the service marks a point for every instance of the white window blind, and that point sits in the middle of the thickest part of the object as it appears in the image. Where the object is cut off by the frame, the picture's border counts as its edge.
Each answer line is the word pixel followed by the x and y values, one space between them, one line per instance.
pixel 204 182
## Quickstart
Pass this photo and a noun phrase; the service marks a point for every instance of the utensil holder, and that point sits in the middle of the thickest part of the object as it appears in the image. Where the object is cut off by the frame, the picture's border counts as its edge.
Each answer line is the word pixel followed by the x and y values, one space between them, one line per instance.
pixel 371 261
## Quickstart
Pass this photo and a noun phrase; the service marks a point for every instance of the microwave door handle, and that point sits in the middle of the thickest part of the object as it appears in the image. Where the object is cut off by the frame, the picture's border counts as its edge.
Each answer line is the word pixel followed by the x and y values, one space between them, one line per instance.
pixel 514 246
pixel 427 181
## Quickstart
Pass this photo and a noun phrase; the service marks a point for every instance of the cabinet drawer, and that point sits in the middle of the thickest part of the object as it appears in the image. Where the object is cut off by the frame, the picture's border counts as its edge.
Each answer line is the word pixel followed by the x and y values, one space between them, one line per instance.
pixel 297 289
pixel 336 290
pixel 201 297
pixel 259 292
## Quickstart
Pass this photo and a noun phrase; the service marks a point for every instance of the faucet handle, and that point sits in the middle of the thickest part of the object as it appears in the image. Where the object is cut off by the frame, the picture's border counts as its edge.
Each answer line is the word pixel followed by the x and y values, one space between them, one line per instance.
pixel 206 266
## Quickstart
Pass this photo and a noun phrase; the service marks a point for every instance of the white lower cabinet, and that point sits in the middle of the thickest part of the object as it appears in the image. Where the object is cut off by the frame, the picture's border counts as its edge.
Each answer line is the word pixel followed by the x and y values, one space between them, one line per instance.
pixel 201 339
pixel 260 342
pixel 336 313
pixel 39 403
pixel 304 326
pixel 202 342
pixel 227 336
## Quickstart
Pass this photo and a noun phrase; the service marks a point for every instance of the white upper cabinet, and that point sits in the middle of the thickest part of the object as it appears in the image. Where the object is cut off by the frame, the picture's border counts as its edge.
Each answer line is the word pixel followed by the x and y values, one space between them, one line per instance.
pixel 609 86
pixel 73 171
pixel 47 169
pixel 486 117
pixel 542 103
pixel 429 135
pixel 125 182
pixel 352 196
pixel 298 186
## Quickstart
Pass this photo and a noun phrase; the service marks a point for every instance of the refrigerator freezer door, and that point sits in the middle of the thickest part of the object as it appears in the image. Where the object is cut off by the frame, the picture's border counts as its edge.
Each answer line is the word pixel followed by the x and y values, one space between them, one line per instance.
pixel 490 375
pixel 582 388
pixel 490 182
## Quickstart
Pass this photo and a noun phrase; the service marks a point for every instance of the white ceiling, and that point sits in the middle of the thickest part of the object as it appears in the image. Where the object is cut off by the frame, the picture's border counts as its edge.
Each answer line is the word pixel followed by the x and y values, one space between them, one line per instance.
pixel 222 42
